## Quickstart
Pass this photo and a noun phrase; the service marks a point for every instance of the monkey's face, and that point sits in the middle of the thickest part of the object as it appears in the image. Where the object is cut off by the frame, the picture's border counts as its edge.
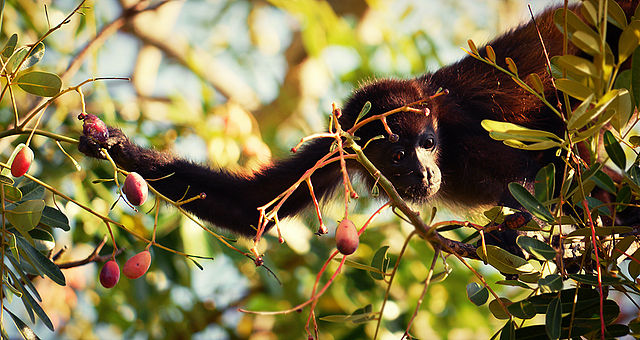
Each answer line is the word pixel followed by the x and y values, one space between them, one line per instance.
pixel 410 163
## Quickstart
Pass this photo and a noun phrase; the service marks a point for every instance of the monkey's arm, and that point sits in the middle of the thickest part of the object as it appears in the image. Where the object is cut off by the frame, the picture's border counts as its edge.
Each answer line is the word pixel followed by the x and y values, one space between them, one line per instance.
pixel 231 199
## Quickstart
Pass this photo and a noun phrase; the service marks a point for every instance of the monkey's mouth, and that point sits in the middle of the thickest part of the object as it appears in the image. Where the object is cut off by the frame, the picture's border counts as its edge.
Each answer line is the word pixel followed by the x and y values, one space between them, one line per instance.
pixel 419 193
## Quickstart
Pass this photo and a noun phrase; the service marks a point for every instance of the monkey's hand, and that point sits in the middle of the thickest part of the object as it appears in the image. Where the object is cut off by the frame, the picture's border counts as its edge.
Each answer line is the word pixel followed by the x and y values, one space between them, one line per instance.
pixel 94 148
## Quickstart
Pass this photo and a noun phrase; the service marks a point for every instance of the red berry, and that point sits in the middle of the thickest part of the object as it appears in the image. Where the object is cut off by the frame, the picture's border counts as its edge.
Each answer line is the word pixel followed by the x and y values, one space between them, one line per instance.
pixel 110 274
pixel 135 188
pixel 94 128
pixel 22 162
pixel 137 265
pixel 347 238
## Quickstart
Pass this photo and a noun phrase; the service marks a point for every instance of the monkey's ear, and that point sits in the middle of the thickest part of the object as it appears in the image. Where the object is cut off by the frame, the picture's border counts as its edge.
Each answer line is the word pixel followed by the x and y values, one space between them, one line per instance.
pixel 91 147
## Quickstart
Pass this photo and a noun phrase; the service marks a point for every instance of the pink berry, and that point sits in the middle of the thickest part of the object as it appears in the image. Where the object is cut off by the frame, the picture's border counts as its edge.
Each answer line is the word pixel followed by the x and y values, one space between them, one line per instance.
pixel 135 188
pixel 94 128
pixel 22 162
pixel 137 265
pixel 347 238
pixel 110 274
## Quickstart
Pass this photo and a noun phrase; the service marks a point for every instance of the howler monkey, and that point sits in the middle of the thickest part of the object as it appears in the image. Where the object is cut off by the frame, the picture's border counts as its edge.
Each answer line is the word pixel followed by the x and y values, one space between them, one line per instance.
pixel 445 155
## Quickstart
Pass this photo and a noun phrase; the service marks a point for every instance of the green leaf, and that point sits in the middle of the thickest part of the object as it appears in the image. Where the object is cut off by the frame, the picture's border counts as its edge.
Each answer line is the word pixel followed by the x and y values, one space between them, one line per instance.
pixel 614 150
pixel 380 261
pixel 512 131
pixel 43 240
pixel 40 83
pixel 605 182
pixel 364 111
pixel 26 215
pixel 616 331
pixel 616 15
pixel 496 308
pixel 553 319
pixel 504 261
pixel 27 298
pixel 545 183
pixel 622 246
pixel 579 119
pixel 12 193
pixel 522 310
pixel 530 203
pixel 593 279
pixel 508 332
pixel 45 265
pixel 491 55
pixel 623 110
pixel 550 283
pixel 574 89
pixel 26 332
pixel 576 65
pixel 54 218
pixel 623 197
pixel 583 36
pixel 6 180
pixel 635 76
pixel 8 49
pixel 511 65
pixel 634 175
pixel 477 294
pixel 34 57
pixel 536 83
pixel 629 40
pixel 539 249
pixel 32 191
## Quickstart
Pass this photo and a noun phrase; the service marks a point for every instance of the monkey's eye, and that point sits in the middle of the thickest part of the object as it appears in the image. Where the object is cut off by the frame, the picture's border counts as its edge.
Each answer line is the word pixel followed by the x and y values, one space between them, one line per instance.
pixel 397 156
pixel 429 143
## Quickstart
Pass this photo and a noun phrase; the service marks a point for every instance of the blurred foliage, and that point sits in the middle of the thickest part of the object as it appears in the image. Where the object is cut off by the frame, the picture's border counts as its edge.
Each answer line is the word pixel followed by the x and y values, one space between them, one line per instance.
pixel 231 83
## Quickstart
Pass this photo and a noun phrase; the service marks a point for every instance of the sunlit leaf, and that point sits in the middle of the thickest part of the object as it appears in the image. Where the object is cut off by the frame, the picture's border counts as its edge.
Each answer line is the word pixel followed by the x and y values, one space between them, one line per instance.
pixel 629 40
pixel 575 89
pixel 491 55
pixel 40 83
pixel 504 261
pixel 365 109
pixel 12 193
pixel 536 83
pixel 511 65
pixel 26 215
pixel 576 65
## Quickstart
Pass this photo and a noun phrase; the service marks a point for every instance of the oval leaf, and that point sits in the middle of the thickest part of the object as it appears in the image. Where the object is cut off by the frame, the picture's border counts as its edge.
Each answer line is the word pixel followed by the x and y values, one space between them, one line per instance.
pixel 504 261
pixel 498 311
pixel 550 283
pixel 477 294
pixel 26 215
pixel 537 248
pixel 530 203
pixel 614 150
pixel 380 261
pixel 40 83
pixel 553 319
